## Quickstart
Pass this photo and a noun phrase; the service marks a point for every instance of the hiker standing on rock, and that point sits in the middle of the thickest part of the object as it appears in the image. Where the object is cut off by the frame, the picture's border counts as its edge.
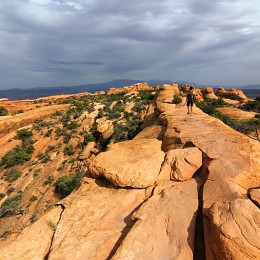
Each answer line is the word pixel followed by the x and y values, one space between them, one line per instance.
pixel 190 100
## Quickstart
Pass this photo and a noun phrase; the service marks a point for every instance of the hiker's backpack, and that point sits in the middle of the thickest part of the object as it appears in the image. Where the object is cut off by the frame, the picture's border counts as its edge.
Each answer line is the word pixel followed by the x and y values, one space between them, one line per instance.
pixel 190 97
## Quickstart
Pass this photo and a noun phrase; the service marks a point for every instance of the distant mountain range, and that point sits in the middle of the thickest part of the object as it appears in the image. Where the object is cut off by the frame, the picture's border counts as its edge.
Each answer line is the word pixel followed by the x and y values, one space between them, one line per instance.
pixel 32 93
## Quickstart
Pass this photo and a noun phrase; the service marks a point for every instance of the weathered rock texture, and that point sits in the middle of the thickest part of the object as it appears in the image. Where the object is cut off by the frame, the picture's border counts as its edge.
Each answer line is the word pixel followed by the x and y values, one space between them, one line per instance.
pixel 102 221
pixel 164 227
pixel 134 163
pixel 235 229
pixel 35 241
pixel 95 219
pixel 181 164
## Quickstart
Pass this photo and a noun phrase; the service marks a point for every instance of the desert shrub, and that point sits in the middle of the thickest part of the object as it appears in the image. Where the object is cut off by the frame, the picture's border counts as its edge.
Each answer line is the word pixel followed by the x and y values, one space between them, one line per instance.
pixel 133 129
pixel 3 111
pixel 252 105
pixel 33 198
pixel 177 99
pixel 33 218
pixel 104 142
pixel 48 133
pixel 119 132
pixel 11 175
pixel 11 204
pixel 138 107
pixel 20 111
pixel 69 150
pixel 49 180
pixel 18 155
pixel 24 134
pixel 10 190
pixel 66 184
pixel 2 195
pixel 43 157
pixel 5 235
pixel 88 138
pixel 146 95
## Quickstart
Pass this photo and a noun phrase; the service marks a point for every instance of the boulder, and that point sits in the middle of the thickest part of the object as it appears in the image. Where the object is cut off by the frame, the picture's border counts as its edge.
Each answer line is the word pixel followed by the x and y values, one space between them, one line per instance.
pixel 234 230
pixel 181 164
pixel 105 127
pixel 165 225
pixel 87 151
pixel 134 163
pixel 255 196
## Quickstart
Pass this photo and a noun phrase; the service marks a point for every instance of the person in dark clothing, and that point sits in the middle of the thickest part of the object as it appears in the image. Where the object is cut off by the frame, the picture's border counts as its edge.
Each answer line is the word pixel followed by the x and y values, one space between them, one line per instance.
pixel 190 100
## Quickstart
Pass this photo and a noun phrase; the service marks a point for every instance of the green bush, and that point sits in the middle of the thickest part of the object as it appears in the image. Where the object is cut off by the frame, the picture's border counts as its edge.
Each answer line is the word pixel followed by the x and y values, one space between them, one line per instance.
pixel 88 138
pixel 11 175
pixel 18 155
pixel 24 134
pixel 119 132
pixel 33 198
pixel 11 204
pixel 252 105
pixel 66 184
pixel 43 157
pixel 177 99
pixel 3 111
pixel 69 150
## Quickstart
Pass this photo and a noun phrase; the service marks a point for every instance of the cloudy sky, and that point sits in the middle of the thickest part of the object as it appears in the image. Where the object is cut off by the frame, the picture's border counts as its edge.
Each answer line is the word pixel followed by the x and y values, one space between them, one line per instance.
pixel 69 42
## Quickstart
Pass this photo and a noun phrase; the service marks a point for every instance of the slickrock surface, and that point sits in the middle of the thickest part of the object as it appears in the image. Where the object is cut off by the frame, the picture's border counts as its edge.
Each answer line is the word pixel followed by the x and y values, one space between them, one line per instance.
pixel 165 226
pixel 11 123
pixel 134 163
pixel 236 113
pixel 235 229
pixel 34 242
pixel 95 219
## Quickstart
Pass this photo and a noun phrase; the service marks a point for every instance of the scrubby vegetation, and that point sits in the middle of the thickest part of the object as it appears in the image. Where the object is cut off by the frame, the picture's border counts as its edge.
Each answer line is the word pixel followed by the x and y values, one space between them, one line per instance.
pixel 3 111
pixel 244 126
pixel 66 184
pixel 252 105
pixel 11 205
pixel 177 99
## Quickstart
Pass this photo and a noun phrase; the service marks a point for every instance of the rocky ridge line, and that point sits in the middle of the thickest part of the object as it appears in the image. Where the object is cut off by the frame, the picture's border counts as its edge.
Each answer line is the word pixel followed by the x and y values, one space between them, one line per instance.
pixel 157 219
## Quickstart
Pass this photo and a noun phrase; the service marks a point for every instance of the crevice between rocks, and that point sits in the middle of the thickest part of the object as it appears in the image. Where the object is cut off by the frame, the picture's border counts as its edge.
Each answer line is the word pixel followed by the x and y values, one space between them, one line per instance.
pixel 46 257
pixel 129 224
pixel 201 177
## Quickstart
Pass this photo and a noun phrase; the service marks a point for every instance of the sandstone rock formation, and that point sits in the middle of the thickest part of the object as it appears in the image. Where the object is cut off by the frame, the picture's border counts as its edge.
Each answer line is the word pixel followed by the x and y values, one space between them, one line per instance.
pixel 209 92
pixel 138 163
pixel 236 113
pixel 95 219
pixel 232 93
pixel 164 227
pixel 15 122
pixel 156 208
pixel 235 229
pixel 181 164
pixel 132 88
pixel 35 241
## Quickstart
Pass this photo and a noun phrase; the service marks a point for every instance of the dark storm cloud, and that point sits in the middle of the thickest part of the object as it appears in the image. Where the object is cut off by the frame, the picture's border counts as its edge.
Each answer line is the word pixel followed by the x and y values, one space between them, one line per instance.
pixel 54 42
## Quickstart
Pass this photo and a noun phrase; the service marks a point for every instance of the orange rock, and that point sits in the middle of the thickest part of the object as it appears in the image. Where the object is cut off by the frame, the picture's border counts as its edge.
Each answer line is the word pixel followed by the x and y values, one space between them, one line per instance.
pixel 165 225
pixel 181 164
pixel 138 163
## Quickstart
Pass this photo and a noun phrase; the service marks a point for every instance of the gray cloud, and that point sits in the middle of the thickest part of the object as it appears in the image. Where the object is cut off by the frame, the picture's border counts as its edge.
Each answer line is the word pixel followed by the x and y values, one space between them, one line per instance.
pixel 55 42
